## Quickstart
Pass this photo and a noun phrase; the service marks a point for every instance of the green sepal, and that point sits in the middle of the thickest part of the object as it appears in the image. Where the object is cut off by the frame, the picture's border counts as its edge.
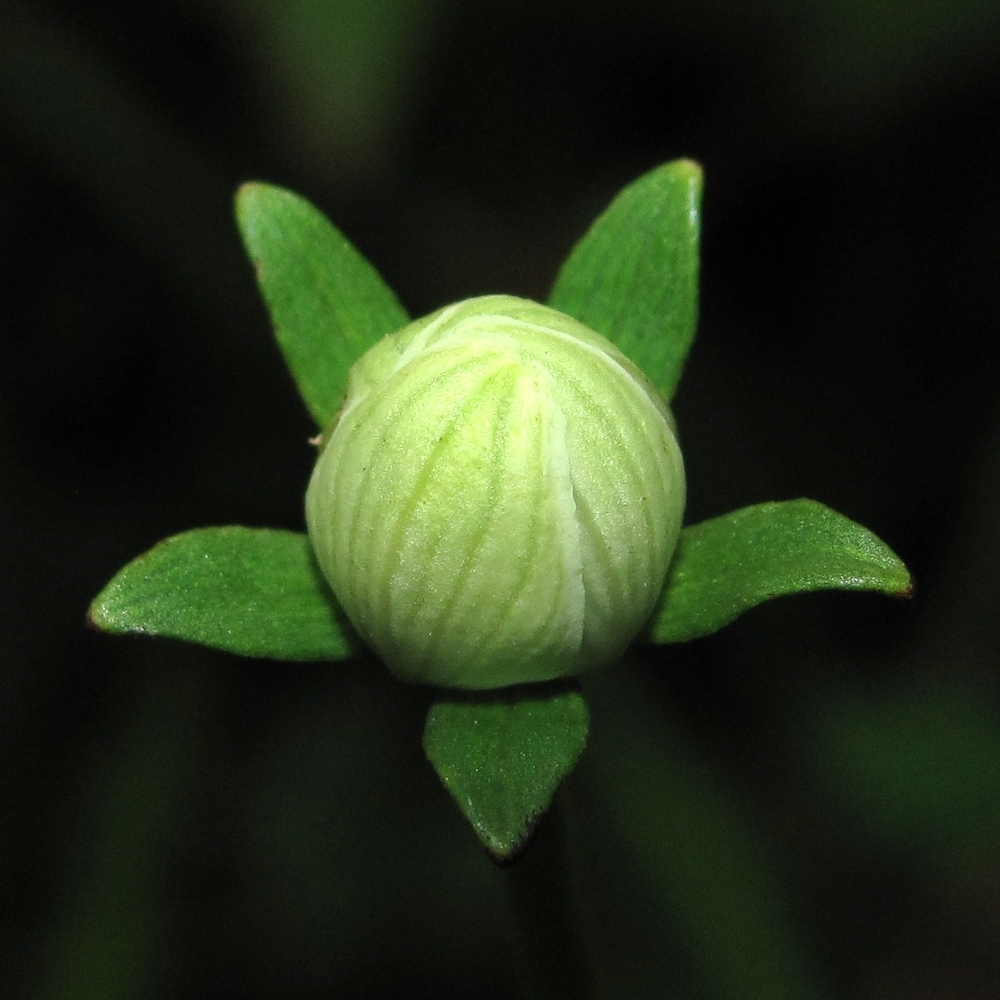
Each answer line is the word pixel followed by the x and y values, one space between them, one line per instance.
pixel 502 754
pixel 634 276
pixel 327 303
pixel 251 591
pixel 732 563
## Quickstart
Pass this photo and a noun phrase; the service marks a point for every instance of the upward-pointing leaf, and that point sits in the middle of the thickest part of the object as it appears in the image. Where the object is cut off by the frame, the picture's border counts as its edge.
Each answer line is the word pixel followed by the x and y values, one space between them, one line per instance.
pixel 634 276
pixel 327 303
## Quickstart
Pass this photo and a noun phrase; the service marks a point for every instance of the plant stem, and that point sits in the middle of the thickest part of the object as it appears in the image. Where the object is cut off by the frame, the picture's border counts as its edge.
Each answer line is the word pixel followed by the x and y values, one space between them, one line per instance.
pixel 109 939
pixel 541 896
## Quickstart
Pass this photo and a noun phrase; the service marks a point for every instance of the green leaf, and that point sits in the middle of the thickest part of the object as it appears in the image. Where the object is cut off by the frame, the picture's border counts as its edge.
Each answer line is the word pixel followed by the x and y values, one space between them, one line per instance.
pixel 327 303
pixel 732 563
pixel 501 755
pixel 634 276
pixel 250 591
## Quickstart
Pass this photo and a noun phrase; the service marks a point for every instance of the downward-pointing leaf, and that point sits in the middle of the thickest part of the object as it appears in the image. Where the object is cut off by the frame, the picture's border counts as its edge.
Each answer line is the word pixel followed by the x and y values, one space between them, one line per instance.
pixel 732 563
pixel 327 303
pixel 501 755
pixel 634 276
pixel 244 590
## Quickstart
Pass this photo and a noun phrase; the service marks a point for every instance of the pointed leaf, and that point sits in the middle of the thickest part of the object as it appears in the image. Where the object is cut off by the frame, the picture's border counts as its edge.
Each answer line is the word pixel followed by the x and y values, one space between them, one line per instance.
pixel 244 590
pixel 501 755
pixel 327 303
pixel 732 563
pixel 634 276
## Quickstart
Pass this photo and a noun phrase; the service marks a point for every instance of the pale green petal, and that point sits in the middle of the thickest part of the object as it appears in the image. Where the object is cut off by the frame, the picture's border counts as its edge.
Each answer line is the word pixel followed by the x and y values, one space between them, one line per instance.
pixel 498 499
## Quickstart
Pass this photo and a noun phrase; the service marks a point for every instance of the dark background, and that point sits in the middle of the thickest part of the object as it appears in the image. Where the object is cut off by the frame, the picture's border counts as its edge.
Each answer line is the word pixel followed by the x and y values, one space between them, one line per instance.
pixel 807 804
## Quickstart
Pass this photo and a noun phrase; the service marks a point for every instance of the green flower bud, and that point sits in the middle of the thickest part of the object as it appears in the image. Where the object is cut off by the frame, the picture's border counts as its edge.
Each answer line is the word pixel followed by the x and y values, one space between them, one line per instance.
pixel 499 497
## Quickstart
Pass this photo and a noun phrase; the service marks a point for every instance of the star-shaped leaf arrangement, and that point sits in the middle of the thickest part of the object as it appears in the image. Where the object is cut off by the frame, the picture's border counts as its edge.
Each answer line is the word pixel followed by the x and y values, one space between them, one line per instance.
pixel 501 754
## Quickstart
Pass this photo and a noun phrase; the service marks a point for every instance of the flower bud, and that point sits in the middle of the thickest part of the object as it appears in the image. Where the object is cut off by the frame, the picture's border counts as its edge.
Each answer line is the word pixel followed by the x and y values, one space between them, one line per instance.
pixel 499 497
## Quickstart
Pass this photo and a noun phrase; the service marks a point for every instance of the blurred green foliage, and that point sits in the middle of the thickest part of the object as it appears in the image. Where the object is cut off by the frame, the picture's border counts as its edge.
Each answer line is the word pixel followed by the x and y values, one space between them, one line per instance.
pixel 804 804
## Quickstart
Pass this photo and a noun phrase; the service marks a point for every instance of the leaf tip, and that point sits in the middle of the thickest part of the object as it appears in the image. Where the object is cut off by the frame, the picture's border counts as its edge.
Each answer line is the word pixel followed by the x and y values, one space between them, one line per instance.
pixel 100 616
pixel 90 619
pixel 247 194
pixel 503 853
pixel 245 191
pixel 689 168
